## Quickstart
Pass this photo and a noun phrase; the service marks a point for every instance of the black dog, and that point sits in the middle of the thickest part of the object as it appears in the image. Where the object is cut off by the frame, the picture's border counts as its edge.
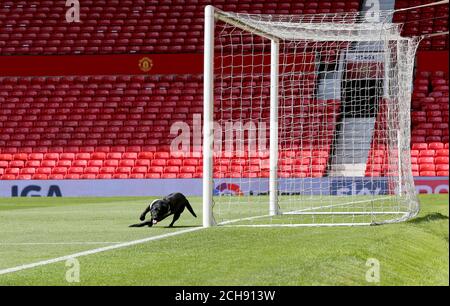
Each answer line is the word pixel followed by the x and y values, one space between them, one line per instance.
pixel 173 204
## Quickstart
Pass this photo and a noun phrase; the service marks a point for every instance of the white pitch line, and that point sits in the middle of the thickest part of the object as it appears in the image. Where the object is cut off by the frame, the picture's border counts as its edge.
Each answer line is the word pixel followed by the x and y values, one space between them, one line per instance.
pixel 95 251
pixel 57 243
pixel 300 225
pixel 294 212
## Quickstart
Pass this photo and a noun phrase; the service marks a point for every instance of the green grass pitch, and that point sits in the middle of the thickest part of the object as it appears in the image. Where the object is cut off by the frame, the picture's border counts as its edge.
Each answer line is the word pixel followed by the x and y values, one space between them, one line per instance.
pixel 37 229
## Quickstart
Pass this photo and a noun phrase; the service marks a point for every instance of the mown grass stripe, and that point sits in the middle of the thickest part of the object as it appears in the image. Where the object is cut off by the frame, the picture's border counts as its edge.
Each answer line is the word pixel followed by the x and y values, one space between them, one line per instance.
pixel 95 251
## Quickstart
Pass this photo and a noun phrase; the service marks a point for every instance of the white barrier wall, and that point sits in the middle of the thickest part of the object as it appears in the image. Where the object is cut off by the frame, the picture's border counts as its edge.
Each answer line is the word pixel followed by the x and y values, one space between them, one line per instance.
pixel 193 187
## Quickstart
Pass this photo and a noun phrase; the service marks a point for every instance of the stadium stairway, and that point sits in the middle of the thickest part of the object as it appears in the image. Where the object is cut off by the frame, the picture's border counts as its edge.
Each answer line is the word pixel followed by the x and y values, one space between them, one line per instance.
pixel 352 147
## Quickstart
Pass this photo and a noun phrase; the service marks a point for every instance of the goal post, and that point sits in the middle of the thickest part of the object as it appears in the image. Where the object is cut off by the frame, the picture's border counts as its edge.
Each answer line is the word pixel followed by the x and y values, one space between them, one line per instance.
pixel 306 120
pixel 208 117
pixel 273 156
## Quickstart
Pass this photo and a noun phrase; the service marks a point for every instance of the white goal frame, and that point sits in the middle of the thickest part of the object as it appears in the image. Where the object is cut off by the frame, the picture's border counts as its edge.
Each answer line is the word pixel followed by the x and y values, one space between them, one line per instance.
pixel 211 16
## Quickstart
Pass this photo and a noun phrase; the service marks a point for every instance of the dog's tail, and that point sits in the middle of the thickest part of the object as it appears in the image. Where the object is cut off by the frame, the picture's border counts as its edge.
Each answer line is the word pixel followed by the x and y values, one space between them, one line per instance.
pixel 189 207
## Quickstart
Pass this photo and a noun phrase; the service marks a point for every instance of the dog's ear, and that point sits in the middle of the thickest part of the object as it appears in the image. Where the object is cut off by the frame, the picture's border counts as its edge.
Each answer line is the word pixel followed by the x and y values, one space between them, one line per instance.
pixel 153 203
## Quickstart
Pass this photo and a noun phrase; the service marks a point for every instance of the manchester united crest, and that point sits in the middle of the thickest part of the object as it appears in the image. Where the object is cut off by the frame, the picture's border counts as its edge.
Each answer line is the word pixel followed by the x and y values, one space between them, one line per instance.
pixel 145 64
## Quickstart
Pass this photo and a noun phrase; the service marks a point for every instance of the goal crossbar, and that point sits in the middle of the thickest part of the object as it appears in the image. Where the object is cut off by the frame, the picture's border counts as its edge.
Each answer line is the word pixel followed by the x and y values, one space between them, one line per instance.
pixel 296 28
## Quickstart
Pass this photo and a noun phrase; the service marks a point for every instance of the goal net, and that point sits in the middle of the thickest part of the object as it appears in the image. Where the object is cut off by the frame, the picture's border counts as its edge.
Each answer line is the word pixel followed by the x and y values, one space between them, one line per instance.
pixel 306 120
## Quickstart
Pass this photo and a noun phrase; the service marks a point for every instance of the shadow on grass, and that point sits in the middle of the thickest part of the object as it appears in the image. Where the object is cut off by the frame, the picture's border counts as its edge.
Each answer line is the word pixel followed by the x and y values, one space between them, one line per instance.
pixel 428 218
pixel 175 226
pixel 183 226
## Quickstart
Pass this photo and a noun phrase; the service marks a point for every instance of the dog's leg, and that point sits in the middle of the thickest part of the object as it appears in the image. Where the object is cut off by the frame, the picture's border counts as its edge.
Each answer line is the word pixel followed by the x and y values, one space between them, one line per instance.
pixel 175 218
pixel 144 213
pixel 146 223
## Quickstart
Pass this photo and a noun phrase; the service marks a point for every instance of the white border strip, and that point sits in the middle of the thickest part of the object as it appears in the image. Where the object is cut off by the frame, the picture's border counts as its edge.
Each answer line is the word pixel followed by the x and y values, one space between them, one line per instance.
pixel 95 251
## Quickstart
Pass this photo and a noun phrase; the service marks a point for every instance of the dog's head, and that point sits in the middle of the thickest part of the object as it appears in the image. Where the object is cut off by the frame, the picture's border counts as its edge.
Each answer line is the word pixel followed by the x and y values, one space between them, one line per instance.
pixel 158 210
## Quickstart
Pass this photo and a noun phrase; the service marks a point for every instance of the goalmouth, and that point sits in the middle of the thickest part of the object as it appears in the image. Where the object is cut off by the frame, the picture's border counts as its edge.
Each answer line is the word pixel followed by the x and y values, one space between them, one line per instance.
pixel 306 120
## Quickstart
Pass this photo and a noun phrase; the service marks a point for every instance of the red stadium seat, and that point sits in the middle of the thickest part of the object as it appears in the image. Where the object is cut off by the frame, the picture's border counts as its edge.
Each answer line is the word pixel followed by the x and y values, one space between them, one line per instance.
pixel 67 156
pixel 126 163
pixel 156 169
pixel 111 163
pixel 442 160
pixel 142 163
pixel 442 167
pixel 92 170
pixel 442 173
pixel 29 171
pixel 76 170
pixel 442 152
pixel 48 163
pixel 426 160
pixel 95 163
pixel 161 155
pixel 123 170
pixel 80 163
pixel 435 146
pixel 174 162
pixel 39 176
pixel 187 169
pixel 17 164
pixel 51 156
pixel 98 155
pixel 107 170
pixel 158 162
pixel 426 153
pixel 64 163
pixel 419 146
pixel 59 170
pixel 426 167
pixel 6 157
pixel 114 155
pixel 169 176
pixel 83 156
pixel 185 175
pixel 427 173
pixel 145 155
pixel 129 155
pixel 121 176
pixel 44 170
pixel 153 175
pixel 171 169
pixel 21 156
